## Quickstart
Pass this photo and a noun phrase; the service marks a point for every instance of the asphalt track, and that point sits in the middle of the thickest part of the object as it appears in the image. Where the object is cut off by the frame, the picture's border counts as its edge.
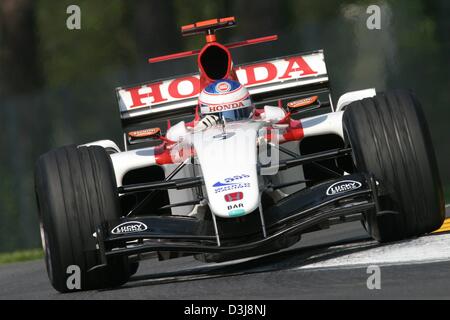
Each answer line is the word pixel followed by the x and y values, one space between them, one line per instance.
pixel 330 264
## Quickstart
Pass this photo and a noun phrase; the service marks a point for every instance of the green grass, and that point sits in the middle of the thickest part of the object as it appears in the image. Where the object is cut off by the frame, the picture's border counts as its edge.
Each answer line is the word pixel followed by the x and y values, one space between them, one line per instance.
pixel 19 256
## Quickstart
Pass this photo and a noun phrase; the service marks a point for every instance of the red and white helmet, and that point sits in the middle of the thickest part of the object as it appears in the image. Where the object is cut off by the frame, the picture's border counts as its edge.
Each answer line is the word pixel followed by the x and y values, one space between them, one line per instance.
pixel 227 99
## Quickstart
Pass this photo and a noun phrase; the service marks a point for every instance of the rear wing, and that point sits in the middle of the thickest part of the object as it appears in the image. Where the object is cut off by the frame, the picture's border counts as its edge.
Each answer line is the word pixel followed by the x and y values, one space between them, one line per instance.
pixel 155 102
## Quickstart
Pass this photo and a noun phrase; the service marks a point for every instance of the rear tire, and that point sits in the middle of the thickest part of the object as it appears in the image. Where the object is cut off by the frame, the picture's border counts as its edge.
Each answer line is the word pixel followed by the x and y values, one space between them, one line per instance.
pixel 76 191
pixel 390 139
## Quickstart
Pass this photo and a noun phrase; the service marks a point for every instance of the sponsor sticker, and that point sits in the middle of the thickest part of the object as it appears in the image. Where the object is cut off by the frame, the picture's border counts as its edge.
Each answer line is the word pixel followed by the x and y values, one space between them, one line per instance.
pixel 228 106
pixel 223 87
pixel 232 187
pixel 343 186
pixel 235 196
pixel 302 102
pixel 243 103
pixel 144 133
pixel 235 206
pixel 129 227
pixel 231 180
pixel 231 183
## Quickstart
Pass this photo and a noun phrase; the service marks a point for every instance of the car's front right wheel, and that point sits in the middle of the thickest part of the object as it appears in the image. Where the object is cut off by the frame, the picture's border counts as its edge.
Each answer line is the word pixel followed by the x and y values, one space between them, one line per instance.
pixel 390 139
pixel 76 191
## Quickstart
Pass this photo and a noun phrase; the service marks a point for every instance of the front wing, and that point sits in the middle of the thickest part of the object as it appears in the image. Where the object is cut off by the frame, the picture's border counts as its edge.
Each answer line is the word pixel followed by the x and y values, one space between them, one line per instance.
pixel 301 212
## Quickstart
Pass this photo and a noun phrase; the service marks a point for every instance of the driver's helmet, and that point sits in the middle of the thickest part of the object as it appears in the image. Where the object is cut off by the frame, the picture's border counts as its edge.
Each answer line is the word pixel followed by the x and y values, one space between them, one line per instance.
pixel 227 99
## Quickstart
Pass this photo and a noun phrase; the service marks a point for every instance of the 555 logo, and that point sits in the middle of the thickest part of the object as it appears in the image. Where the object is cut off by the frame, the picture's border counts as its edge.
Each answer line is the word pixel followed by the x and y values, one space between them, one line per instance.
pixel 232 183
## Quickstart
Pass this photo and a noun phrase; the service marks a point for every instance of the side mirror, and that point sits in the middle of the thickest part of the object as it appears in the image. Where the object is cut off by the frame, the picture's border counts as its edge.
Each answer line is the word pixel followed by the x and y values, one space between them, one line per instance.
pixel 303 104
pixel 143 135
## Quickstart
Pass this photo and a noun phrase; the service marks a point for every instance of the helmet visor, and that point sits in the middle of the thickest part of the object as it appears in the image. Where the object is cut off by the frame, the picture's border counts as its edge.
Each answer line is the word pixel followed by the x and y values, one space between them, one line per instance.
pixel 235 115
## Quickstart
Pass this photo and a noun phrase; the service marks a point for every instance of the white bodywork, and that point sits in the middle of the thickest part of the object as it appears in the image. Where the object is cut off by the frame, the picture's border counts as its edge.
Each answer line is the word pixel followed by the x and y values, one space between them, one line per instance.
pixel 124 162
pixel 140 158
pixel 228 159
pixel 226 155
pixel 273 114
pixel 107 144
pixel 330 123
pixel 351 96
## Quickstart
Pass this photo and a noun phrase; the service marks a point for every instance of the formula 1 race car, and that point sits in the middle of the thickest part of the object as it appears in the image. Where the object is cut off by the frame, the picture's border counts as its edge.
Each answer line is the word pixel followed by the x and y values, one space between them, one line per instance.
pixel 239 187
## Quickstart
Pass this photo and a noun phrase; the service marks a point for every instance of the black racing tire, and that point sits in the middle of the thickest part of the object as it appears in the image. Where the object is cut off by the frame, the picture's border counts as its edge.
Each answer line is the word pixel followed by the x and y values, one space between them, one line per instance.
pixel 76 191
pixel 133 268
pixel 390 139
